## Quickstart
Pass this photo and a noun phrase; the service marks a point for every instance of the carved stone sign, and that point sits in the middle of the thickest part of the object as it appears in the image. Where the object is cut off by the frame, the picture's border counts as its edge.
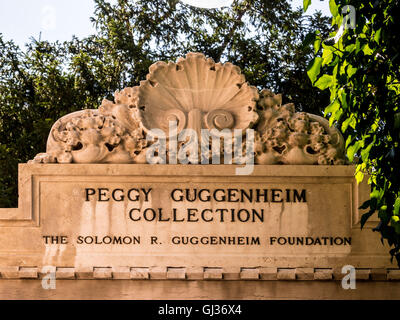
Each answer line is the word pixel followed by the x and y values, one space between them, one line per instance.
pixel 92 201
pixel 169 215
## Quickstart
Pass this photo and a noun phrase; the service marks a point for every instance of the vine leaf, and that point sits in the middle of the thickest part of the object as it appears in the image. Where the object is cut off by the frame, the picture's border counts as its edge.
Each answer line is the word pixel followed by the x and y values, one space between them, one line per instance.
pixel 396 208
pixel 365 217
pixel 324 82
pixel 306 4
pixel 314 69
pixel 333 8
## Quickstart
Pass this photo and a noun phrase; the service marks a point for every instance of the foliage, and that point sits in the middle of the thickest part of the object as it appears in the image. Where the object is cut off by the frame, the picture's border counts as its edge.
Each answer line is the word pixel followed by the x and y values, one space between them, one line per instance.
pixel 361 68
pixel 45 81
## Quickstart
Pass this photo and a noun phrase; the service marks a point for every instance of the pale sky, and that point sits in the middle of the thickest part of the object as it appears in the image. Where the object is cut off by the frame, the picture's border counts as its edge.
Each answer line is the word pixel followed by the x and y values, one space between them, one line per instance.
pixel 60 19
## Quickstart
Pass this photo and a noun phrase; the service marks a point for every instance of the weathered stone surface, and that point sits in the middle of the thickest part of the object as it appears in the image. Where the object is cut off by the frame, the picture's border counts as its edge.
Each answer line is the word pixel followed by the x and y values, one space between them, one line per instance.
pixel 378 274
pixel 249 274
pixel 111 134
pixel 55 198
pixel 231 273
pixel 305 273
pixel 286 137
pixel 65 273
pixel 269 273
pixel 28 273
pixel 363 274
pixel 197 94
pixel 9 272
pixel 212 273
pixel 195 273
pixel 84 272
pixel 323 274
pixel 393 274
pixel 337 273
pixel 144 273
pixel 102 273
pixel 286 274
pixel 176 273
pixel 216 97
pixel 108 216
pixel 158 273
pixel 121 273
pixel 193 290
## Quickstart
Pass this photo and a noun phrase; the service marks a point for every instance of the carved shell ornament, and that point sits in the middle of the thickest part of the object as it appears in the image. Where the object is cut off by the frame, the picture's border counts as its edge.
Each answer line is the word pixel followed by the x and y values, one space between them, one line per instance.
pixel 198 94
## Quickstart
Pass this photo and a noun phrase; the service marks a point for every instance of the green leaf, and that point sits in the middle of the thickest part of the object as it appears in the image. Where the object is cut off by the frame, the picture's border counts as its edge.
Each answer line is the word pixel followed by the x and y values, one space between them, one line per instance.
pixel 306 4
pixel 333 8
pixel 376 193
pixel 335 117
pixel 395 222
pixel 365 205
pixel 350 48
pixel 317 45
pixel 396 207
pixel 343 98
pixel 365 217
pixel 332 108
pixel 327 55
pixel 351 121
pixel 348 141
pixel 338 19
pixel 324 82
pixel 359 176
pixel 314 69
pixel 335 70
pixel 377 36
pixel 352 150
pixel 367 50
pixel 350 71
pixel 365 152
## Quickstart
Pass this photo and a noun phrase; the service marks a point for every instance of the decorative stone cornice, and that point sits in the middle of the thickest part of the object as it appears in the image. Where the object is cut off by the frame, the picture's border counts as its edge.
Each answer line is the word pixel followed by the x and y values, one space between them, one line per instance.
pixel 198 273
pixel 198 94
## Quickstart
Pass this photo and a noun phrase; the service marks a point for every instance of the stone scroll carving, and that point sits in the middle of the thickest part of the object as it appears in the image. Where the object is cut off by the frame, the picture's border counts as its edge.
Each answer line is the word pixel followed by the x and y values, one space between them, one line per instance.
pixel 198 94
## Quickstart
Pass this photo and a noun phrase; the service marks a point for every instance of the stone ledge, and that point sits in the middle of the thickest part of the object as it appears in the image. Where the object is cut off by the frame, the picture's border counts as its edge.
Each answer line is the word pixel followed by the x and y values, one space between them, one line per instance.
pixel 143 273
pixel 197 273
pixel 212 273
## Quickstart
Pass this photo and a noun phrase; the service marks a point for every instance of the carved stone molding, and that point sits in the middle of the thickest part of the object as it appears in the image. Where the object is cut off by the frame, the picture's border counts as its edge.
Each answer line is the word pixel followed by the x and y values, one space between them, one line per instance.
pixel 198 94
pixel 288 137
pixel 197 273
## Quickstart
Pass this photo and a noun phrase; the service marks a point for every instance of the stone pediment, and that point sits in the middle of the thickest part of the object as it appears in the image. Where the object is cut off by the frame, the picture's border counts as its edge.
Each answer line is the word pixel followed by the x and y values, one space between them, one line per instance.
pixel 197 94
pixel 127 220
